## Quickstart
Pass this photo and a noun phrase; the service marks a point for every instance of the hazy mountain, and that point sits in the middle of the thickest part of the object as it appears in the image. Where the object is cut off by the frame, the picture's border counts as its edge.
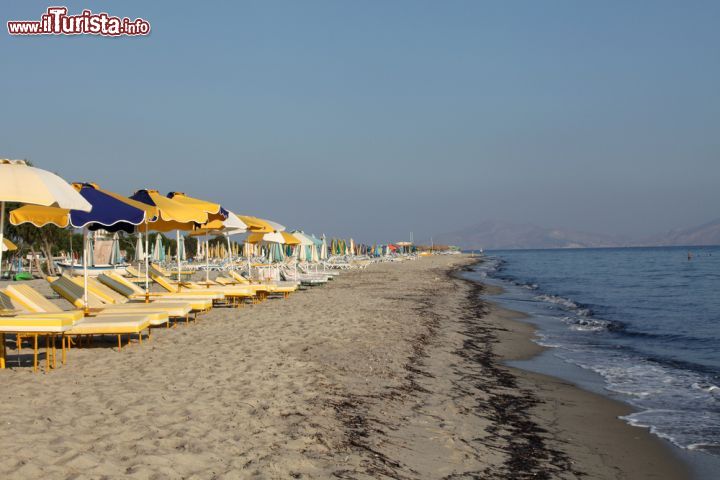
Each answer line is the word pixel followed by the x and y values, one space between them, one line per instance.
pixel 705 234
pixel 503 235
pixel 495 235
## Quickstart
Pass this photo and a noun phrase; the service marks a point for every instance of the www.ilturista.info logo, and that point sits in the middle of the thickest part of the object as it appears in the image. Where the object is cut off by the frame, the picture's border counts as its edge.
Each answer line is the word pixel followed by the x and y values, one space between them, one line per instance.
pixel 56 21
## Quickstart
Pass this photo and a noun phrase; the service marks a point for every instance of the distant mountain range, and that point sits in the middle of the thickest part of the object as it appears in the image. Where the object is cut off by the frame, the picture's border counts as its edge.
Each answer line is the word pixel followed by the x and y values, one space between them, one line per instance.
pixel 705 234
pixel 504 235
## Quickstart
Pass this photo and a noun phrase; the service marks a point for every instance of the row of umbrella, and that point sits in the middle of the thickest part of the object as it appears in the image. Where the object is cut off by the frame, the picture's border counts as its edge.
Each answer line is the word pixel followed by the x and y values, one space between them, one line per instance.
pixel 48 199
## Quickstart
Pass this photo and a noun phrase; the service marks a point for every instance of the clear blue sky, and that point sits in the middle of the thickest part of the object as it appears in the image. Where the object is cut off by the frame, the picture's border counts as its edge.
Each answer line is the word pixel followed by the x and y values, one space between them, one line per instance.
pixel 376 118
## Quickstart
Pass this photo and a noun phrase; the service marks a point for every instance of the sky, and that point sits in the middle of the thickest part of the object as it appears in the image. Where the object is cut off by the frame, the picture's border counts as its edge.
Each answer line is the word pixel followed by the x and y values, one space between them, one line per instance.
pixel 375 119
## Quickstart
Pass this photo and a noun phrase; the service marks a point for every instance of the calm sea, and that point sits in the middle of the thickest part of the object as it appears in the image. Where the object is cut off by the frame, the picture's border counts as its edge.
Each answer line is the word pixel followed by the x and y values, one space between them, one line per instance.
pixel 646 320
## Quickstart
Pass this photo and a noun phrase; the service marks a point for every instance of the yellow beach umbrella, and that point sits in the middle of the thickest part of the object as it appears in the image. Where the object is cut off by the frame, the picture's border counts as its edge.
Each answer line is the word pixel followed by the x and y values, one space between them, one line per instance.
pixel 255 224
pixel 232 225
pixel 290 239
pixel 171 215
pixel 216 215
pixel 39 216
pixel 274 237
pixel 8 246
pixel 214 210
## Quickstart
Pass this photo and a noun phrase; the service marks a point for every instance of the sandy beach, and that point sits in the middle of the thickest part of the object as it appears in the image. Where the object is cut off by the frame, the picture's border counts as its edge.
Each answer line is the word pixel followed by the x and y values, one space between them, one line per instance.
pixel 390 372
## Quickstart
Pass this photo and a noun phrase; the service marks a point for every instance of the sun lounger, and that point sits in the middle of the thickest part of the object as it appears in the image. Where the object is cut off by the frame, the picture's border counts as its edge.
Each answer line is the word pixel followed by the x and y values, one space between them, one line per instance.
pixel 279 287
pixel 134 275
pixel 170 274
pixel 73 293
pixel 57 322
pixel 271 288
pixel 304 279
pixel 15 320
pixel 199 303
pixel 28 300
pixel 235 295
pixel 117 325
pixel 30 325
pixel 32 301
pixel 133 272
pixel 111 298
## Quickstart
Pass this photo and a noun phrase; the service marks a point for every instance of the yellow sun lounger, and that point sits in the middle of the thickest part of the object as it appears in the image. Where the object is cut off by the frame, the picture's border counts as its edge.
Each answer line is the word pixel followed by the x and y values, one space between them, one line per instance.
pixel 73 293
pixel 32 301
pixel 234 294
pixel 112 299
pixel 286 289
pixel 134 274
pixel 10 306
pixel 117 325
pixel 114 324
pixel 58 322
pixel 36 325
pixel 203 286
pixel 28 300
pixel 199 303
pixel 167 273
pixel 277 286
pixel 261 291
pixel 14 320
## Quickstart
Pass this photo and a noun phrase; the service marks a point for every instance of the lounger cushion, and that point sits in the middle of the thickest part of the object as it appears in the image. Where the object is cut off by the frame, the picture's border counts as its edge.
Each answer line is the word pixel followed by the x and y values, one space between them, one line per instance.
pixel 34 323
pixel 110 324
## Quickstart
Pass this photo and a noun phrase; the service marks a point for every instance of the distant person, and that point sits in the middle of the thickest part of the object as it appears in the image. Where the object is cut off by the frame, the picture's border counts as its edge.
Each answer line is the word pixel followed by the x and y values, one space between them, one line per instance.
pixel 689 256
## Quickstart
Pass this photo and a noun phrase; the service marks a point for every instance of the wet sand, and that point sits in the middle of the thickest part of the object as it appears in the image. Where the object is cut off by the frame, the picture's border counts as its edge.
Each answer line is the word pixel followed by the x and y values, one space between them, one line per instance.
pixel 583 424
pixel 391 372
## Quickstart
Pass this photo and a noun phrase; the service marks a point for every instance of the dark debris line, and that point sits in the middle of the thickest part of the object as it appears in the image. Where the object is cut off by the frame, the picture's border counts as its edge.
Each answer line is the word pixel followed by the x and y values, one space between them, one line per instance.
pixel 508 407
pixel 513 430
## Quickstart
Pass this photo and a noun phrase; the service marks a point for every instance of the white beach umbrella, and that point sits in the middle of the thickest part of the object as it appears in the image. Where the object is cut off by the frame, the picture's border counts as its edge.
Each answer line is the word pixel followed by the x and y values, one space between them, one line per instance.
pixel 158 253
pixel 276 226
pixel 233 225
pixel 139 251
pixel 24 184
pixel 302 249
pixel 181 249
pixel 115 250
pixel 274 237
pixel 314 255
pixel 323 249
pixel 304 239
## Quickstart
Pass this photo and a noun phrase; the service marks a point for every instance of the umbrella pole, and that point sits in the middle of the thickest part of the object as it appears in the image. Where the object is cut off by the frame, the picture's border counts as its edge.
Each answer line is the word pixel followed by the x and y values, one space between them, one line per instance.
pixel 72 260
pixel 147 263
pixel 207 261
pixel 2 232
pixel 85 272
pixel 229 251
pixel 177 240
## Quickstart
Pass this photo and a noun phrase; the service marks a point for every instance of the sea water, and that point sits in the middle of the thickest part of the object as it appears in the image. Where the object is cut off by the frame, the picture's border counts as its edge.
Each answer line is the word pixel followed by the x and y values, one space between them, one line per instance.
pixel 646 321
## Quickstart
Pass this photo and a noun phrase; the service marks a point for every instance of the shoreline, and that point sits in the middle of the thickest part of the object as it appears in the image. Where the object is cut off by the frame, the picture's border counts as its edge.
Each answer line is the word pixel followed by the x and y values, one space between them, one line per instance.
pixel 395 371
pixel 609 447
